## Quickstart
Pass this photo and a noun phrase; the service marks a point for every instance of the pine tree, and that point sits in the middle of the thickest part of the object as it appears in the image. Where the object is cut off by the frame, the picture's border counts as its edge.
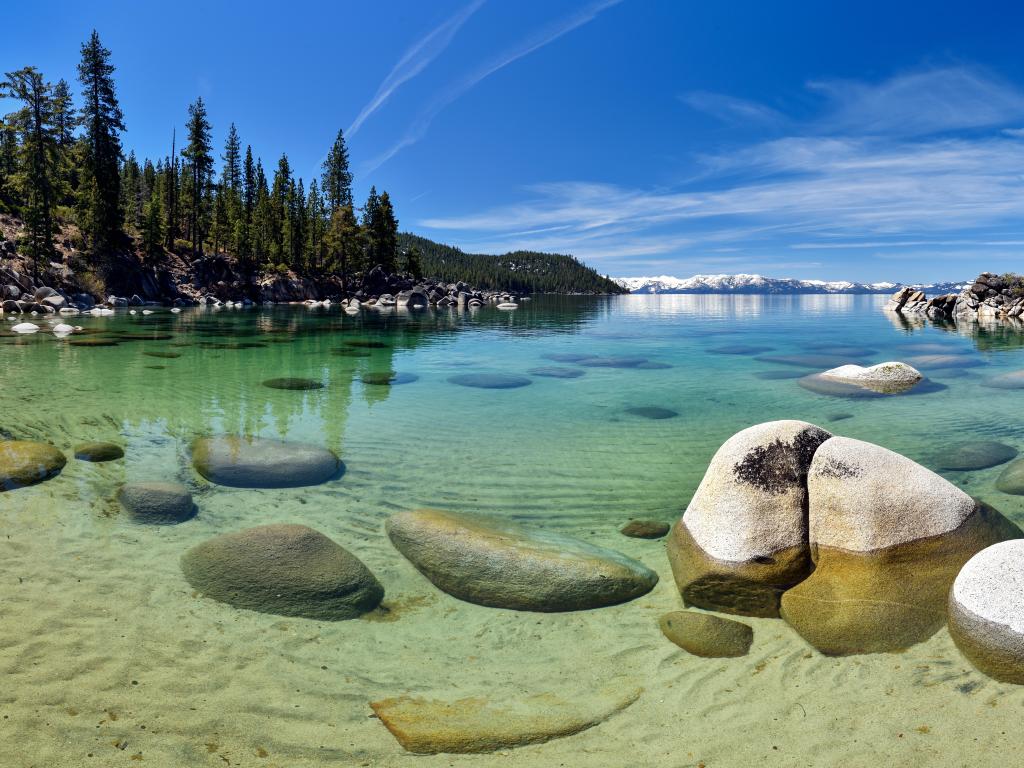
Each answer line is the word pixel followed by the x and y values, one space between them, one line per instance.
pixel 315 227
pixel 231 176
pixel 343 242
pixel 296 227
pixel 381 231
pixel 171 193
pixel 413 262
pixel 8 165
pixel 279 199
pixel 153 230
pixel 64 123
pixel 99 193
pixel 37 164
pixel 200 168
pixel 131 193
pixel 336 182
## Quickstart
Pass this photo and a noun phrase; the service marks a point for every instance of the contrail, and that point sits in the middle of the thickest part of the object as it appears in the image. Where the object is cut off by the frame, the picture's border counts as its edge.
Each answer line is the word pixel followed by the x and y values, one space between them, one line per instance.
pixel 414 61
pixel 538 40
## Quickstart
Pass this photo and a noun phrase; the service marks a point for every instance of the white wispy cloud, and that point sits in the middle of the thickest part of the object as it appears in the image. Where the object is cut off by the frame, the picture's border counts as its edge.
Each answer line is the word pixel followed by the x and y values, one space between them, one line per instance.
pixel 533 42
pixel 415 60
pixel 864 174
pixel 731 109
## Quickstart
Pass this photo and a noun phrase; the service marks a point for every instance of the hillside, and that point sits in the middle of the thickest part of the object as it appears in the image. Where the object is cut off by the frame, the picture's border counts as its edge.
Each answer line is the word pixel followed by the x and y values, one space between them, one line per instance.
pixel 755 284
pixel 518 271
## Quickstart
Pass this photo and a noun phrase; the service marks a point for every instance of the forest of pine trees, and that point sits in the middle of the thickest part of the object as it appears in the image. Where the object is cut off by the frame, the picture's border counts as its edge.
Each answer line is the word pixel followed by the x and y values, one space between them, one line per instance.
pixel 62 164
pixel 65 164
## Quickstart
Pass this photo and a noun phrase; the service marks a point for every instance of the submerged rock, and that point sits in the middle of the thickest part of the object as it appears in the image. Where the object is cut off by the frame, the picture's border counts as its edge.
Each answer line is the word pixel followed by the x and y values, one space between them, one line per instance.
pixel 98 451
pixel 293 383
pixel 704 634
pixel 387 378
pixel 502 564
pixel 556 372
pixel 885 378
pixel 243 462
pixel 1012 380
pixel 490 380
pixel 652 412
pixel 645 529
pixel 613 362
pixel 477 725
pixel 158 503
pixel 25 462
pixel 974 455
pixel 287 570
pixel 743 538
pixel 887 537
pixel 986 611
pixel 1011 479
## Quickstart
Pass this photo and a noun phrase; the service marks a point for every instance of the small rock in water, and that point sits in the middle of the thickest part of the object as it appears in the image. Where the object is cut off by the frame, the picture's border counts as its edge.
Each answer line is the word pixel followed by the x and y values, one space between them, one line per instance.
pixel 556 372
pixel 974 454
pixel 1011 479
pixel 566 357
pixel 1012 380
pixel 986 611
pixel 501 564
pixel 157 503
pixel 704 634
pixel 25 328
pixel 293 383
pixel 263 463
pixel 286 570
pixel 387 378
pixel 652 412
pixel 98 451
pixel 885 378
pixel 24 463
pixel 478 725
pixel 613 362
pixel 645 529
pixel 839 417
pixel 490 380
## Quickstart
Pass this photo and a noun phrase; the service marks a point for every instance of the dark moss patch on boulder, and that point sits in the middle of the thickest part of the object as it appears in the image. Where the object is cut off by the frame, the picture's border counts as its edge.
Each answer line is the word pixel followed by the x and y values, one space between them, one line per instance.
pixel 286 570
pixel 98 451
pixel 25 462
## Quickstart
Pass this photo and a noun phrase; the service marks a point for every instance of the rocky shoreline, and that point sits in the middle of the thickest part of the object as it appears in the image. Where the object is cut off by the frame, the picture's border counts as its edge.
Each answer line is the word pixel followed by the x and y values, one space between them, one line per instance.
pixel 989 297
pixel 214 284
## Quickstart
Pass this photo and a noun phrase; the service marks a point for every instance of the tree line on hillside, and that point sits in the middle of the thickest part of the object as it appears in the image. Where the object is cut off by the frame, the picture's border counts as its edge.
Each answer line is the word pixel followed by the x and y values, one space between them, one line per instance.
pixel 62 163
pixel 519 271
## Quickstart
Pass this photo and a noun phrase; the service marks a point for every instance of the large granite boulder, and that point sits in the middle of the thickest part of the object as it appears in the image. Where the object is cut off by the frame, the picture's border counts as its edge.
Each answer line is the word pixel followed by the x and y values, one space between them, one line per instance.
pixel 885 378
pixel 243 462
pixel 25 462
pixel 986 611
pixel 479 724
pixel 287 570
pixel 743 538
pixel 704 634
pixel 887 537
pixel 502 564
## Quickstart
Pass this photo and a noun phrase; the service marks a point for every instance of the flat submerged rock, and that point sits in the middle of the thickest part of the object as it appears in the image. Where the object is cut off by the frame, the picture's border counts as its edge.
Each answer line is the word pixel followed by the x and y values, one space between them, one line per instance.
pixel 707 635
pixel 242 462
pixel 98 451
pixel 490 380
pixel 502 564
pixel 477 725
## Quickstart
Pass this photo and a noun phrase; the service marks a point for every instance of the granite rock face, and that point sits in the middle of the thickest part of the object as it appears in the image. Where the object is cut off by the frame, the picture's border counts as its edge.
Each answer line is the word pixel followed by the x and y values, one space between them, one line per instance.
pixel 743 539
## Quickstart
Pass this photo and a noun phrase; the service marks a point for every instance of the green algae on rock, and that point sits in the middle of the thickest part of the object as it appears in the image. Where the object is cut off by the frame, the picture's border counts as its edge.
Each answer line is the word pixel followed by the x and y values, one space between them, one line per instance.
pixel 505 565
pixel 477 725
pixel 26 462
pixel 283 569
pixel 704 634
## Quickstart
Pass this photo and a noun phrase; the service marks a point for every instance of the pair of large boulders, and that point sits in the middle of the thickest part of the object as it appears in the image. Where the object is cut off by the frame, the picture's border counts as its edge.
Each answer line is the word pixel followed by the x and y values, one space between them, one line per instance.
pixel 853 545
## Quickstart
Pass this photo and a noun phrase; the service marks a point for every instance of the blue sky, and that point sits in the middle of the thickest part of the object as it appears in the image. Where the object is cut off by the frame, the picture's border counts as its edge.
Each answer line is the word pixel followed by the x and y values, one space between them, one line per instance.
pixel 861 140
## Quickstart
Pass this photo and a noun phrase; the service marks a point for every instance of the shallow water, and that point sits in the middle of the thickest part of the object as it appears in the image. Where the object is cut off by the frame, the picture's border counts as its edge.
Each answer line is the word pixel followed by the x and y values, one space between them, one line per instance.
pixel 104 644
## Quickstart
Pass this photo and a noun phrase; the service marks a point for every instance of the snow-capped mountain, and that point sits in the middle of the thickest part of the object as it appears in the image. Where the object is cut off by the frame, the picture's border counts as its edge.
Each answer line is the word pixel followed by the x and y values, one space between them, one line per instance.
pixel 760 284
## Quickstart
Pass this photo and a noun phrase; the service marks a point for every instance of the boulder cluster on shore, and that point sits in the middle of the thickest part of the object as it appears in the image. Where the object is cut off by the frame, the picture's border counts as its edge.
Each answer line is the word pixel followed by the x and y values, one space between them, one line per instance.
pixel 857 548
pixel 989 297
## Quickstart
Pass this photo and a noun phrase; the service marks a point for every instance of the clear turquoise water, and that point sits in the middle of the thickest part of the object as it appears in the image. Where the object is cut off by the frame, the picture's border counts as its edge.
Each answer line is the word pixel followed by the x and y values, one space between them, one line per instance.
pixel 565 453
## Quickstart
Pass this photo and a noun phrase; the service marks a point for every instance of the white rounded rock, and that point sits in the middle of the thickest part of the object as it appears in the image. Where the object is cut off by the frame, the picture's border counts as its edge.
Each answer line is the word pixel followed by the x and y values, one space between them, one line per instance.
pixel 986 611
pixel 890 378
pixel 25 328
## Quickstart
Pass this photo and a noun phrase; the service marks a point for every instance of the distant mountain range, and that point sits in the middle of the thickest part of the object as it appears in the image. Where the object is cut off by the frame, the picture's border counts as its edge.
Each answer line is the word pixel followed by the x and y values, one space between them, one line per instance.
pixel 760 284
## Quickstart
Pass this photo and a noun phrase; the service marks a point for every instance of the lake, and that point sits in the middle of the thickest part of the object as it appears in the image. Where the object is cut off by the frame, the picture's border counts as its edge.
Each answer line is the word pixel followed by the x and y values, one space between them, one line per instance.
pixel 582 413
